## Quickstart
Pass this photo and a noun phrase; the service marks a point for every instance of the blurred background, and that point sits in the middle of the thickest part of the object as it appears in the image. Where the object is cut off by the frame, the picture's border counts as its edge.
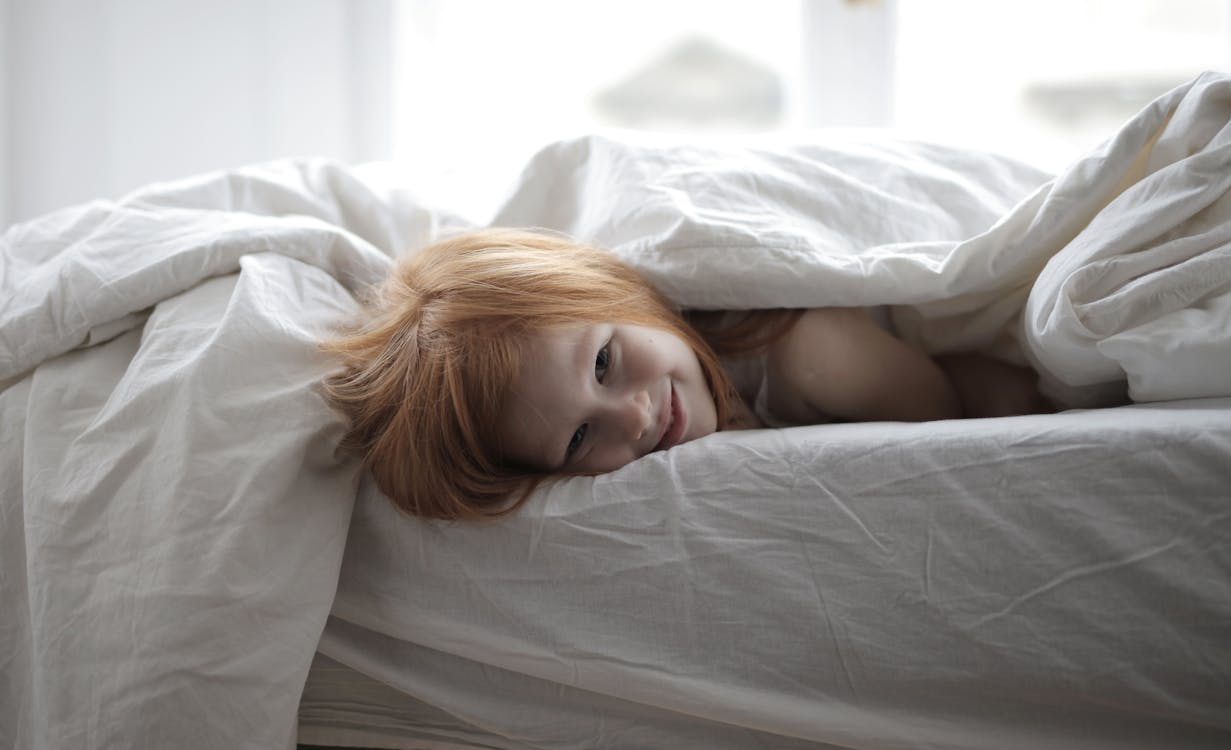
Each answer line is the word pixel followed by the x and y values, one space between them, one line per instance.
pixel 98 97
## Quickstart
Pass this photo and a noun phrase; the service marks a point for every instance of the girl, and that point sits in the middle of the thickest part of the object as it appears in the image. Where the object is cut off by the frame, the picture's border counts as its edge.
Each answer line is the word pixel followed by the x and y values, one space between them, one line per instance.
pixel 492 360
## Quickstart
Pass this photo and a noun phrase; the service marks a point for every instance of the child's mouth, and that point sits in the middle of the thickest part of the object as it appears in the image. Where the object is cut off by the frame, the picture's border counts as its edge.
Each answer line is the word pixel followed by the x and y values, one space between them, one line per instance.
pixel 676 424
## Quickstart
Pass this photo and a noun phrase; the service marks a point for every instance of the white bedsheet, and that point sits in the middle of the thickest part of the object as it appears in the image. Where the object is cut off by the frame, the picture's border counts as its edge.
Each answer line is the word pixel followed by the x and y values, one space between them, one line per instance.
pixel 173 515
pixel 1047 581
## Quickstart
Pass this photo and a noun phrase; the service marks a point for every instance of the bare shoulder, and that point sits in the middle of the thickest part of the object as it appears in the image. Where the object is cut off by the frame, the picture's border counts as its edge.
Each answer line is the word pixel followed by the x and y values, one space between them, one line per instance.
pixel 835 324
pixel 825 340
pixel 839 361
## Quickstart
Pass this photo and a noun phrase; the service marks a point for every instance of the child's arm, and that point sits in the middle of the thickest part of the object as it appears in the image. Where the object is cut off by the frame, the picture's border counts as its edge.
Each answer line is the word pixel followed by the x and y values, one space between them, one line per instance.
pixel 837 362
pixel 990 388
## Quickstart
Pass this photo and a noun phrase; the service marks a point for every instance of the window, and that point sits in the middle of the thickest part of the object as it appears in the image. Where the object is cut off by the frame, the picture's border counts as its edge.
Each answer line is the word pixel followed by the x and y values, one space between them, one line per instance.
pixel 1049 79
pixel 482 83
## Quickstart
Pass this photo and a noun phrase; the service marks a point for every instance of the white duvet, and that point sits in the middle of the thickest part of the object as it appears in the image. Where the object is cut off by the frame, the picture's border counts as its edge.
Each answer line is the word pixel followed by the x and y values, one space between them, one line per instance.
pixel 174 517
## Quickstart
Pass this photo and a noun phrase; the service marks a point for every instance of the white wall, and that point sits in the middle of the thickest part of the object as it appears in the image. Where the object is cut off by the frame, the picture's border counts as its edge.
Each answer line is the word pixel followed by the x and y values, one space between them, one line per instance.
pixel 108 95
pixel 5 177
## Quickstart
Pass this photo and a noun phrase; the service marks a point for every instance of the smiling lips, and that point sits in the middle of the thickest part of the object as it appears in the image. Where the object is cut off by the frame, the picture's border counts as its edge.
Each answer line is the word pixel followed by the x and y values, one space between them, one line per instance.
pixel 676 423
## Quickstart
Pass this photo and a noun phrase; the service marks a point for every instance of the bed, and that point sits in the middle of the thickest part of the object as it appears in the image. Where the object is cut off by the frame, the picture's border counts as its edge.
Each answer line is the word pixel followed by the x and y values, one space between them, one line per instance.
pixel 186 561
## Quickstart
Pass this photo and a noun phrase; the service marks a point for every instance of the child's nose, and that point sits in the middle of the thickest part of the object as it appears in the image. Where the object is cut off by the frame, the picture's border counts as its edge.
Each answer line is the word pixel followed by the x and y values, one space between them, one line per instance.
pixel 637 415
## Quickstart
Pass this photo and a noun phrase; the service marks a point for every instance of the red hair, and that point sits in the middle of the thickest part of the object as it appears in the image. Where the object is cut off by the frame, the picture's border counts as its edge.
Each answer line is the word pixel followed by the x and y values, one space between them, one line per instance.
pixel 427 369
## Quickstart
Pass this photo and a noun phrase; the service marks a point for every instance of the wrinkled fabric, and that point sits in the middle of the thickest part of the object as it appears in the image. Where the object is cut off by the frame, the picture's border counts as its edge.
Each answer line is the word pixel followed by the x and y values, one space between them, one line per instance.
pixel 174 513
pixel 178 535
pixel 1056 580
pixel 1114 278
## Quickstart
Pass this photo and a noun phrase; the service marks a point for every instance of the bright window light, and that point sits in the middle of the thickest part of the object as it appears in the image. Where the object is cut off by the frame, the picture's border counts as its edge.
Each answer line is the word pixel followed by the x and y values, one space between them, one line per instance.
pixel 480 84
pixel 1046 80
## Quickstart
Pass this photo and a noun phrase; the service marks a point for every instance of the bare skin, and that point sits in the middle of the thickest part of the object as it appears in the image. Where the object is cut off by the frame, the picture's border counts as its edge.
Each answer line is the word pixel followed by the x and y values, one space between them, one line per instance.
pixel 593 397
pixel 838 363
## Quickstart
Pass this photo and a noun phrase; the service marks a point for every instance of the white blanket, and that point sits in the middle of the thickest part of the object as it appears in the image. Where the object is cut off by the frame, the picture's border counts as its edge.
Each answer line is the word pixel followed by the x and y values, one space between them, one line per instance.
pixel 1126 256
pixel 173 515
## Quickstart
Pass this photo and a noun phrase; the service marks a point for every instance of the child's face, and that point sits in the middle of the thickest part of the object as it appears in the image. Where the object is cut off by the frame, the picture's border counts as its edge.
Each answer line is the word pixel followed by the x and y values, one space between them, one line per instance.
pixel 593 397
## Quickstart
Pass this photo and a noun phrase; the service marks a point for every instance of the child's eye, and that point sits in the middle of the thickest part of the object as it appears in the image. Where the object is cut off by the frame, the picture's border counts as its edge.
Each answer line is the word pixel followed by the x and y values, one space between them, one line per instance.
pixel 602 361
pixel 575 442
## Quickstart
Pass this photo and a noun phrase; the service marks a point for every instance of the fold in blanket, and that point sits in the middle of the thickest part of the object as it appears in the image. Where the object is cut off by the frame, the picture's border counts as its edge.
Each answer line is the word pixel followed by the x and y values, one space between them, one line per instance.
pixel 1141 295
pixel 1111 278
pixel 173 512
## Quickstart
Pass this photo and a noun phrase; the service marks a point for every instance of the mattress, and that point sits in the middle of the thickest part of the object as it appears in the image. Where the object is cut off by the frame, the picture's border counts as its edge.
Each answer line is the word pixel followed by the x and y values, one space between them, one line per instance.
pixel 1047 581
pixel 342 707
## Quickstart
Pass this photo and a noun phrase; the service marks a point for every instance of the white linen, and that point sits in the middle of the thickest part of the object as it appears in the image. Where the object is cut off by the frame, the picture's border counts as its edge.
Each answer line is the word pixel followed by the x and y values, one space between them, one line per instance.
pixel 1126 256
pixel 1046 581
pixel 173 514
pixel 1057 580
pixel 1142 293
